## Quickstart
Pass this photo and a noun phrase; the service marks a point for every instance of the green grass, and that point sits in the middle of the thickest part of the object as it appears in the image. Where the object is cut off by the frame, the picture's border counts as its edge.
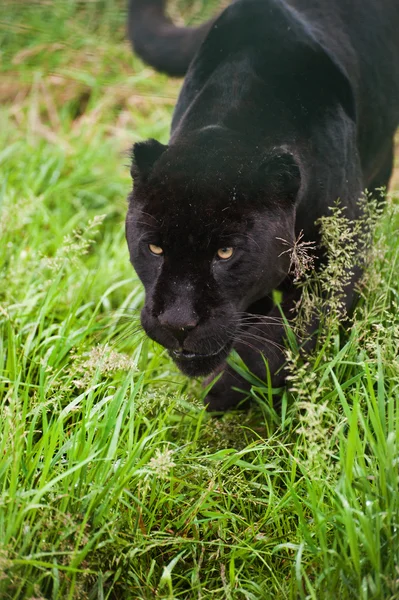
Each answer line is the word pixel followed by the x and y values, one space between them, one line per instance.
pixel 115 484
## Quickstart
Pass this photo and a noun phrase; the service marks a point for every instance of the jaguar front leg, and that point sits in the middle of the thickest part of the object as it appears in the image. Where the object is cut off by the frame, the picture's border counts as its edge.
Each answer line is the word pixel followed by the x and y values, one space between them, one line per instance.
pixel 261 340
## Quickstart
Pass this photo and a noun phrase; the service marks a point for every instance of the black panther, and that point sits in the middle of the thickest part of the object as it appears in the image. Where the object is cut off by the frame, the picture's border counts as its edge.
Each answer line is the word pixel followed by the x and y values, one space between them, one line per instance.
pixel 287 105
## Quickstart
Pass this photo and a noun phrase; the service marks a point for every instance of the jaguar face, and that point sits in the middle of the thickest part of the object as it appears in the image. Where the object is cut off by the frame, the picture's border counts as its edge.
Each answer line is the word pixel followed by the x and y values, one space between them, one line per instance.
pixel 206 245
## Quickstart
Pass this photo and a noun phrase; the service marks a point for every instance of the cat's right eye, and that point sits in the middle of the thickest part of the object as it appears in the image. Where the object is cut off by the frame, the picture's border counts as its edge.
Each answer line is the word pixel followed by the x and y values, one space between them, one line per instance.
pixel 157 250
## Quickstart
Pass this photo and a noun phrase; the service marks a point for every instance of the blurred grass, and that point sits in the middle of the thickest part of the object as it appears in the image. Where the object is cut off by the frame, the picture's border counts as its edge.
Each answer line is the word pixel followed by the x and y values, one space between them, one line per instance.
pixel 114 482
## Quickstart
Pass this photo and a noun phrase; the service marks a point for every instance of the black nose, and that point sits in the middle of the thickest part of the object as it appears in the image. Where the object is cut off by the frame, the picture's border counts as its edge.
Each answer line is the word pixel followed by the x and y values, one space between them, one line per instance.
pixel 179 325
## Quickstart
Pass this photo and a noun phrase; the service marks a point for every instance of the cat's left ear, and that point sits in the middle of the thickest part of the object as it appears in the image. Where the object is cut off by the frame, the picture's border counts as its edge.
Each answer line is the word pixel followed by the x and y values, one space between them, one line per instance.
pixel 281 175
pixel 144 156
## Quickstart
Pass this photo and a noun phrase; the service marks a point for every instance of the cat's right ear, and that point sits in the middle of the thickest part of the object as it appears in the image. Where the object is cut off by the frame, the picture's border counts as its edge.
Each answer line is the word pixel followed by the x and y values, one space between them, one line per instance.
pixel 144 156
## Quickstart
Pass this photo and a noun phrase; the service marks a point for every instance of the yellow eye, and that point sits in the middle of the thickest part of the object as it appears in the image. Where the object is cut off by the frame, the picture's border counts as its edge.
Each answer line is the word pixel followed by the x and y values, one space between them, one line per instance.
pixel 157 250
pixel 225 253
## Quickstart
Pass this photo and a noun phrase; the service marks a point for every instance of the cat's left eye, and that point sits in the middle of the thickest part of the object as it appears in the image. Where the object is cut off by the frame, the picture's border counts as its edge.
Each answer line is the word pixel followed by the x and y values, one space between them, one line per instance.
pixel 225 253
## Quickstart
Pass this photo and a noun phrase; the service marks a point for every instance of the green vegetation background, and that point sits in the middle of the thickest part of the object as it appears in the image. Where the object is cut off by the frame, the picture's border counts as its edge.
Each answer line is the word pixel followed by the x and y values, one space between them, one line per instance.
pixel 114 483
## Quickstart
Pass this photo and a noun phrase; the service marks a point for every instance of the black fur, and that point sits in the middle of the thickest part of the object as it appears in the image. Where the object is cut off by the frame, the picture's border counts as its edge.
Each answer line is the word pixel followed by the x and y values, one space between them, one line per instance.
pixel 158 41
pixel 286 106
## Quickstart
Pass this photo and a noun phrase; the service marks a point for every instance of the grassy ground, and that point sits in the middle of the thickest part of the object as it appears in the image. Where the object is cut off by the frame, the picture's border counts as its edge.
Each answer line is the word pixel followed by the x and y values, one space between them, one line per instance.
pixel 114 482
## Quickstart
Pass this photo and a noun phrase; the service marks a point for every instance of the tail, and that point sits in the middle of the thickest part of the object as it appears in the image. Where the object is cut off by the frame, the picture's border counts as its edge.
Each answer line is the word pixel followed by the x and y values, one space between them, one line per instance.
pixel 158 41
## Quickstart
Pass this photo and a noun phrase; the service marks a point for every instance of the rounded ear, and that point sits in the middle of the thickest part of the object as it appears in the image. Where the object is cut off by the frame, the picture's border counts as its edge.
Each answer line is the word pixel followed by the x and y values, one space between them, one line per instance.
pixel 281 175
pixel 144 156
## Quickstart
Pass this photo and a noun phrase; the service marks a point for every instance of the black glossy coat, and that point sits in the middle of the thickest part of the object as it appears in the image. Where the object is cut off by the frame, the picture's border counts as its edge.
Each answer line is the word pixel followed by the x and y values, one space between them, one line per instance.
pixel 286 106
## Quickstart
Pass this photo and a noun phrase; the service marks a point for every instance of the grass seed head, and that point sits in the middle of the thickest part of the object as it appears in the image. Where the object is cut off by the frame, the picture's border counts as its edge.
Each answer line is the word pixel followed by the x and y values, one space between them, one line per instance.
pixel 162 463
